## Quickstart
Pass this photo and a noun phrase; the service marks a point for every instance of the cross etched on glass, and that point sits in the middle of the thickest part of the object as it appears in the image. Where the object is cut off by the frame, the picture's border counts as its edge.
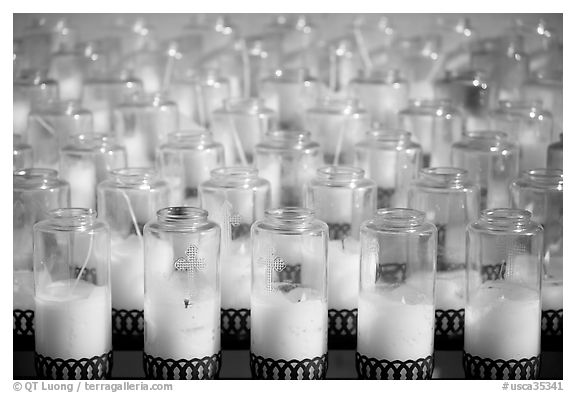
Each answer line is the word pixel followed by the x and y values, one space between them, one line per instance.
pixel 273 263
pixel 229 220
pixel 191 264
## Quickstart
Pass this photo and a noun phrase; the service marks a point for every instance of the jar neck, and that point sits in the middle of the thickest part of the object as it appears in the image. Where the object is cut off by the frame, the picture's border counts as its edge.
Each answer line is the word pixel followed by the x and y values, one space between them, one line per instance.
pixel 474 77
pixel 444 177
pixel 344 106
pixel 182 215
pixel 292 75
pixel 236 176
pixel 385 76
pixel 71 108
pixel 190 138
pixel 520 106
pixel 491 137
pixel 503 218
pixel 72 217
pixel 393 136
pixel 289 216
pixel 399 218
pixel 134 176
pixel 244 105
pixel 285 138
pixel 92 142
pixel 35 177
pixel 544 178
pixel 339 174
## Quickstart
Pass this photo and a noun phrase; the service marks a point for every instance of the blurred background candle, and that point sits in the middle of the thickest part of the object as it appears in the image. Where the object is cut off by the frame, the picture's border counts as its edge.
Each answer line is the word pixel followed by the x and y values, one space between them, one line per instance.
pixel 383 93
pixel 290 92
pixel 86 161
pixel 540 191
pixel 36 191
pixel 392 160
pixel 288 160
pixel 181 270
pixel 235 197
pixel 72 296
pixel 547 86
pixel 343 198
pixel 554 156
pixel 141 123
pixel 527 125
pixel 289 311
pixel 450 201
pixel 50 127
pixel 492 163
pixel 435 125
pixel 239 125
pixel 337 124
pixel 502 315
pixel 127 200
pixel 185 160
pixel 21 153
pixel 396 302
pixel 67 67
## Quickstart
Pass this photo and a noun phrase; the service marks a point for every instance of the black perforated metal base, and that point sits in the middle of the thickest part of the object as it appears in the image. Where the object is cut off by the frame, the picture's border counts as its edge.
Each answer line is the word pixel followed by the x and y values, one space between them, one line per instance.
pixel 342 329
pixel 337 231
pixel 235 328
pixel 127 329
pixel 96 367
pixel 23 329
pixel 449 330
pixel 207 367
pixel 266 368
pixel 552 330
pixel 384 197
pixel 371 368
pixel 516 369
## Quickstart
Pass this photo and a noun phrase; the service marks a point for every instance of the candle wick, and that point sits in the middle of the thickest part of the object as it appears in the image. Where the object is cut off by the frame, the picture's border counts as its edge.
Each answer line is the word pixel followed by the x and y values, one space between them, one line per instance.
pixel 238 143
pixel 362 49
pixel 85 263
pixel 45 124
pixel 133 216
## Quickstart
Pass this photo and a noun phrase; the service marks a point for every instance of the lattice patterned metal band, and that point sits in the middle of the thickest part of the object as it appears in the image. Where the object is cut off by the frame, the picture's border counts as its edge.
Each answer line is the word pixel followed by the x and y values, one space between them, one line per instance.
pixel 266 368
pixel 449 329
pixel 290 273
pixel 190 193
pixel 338 231
pixel 342 328
pixel 426 160
pixel 127 329
pixel 88 274
pixel 371 368
pixel 552 328
pixel 235 328
pixel 240 231
pixel 484 368
pixel 384 197
pixel 96 367
pixel 391 272
pixel 23 322
pixel 493 272
pixel 207 367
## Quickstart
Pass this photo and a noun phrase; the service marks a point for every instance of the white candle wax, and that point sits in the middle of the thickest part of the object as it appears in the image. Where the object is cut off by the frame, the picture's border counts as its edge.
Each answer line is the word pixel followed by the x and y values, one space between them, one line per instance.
pixel 383 168
pixel 23 285
pixel 150 79
pixel 137 149
pixel 503 321
pixel 552 294
pixel 197 166
pixel 70 86
pixel 101 118
pixel 395 324
pixel 289 325
pixel 82 179
pixel 21 109
pixel 73 324
pixel 236 277
pixel 337 209
pixel 127 273
pixel 450 290
pixel 270 168
pixel 343 275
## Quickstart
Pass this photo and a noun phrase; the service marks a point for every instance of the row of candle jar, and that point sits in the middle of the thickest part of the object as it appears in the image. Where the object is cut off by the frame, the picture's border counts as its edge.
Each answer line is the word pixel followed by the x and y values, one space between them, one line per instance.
pixel 236 197
pixel 289 310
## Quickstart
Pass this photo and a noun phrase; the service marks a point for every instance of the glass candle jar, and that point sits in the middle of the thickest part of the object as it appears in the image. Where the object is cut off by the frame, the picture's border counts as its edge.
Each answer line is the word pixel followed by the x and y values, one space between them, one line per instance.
pixel 263 58
pixel 290 92
pixel 127 200
pixel 36 44
pixel 102 93
pixel 289 315
pixel 341 64
pixel 182 295
pixel 21 153
pixel 392 160
pixel 337 124
pixel 450 201
pixel 72 296
pixel 343 198
pixel 50 127
pixel 540 191
pixel 528 125
pixel 288 160
pixel 435 125
pixel 30 90
pixel 547 87
pixel 492 163
pixel 383 93
pixel 239 126
pixel 554 156
pixel 67 67
pixel 235 197
pixel 470 92
pixel 141 123
pixel 503 266
pixel 198 93
pixel 85 161
pixel 185 161
pixel 396 302
pixel 36 191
